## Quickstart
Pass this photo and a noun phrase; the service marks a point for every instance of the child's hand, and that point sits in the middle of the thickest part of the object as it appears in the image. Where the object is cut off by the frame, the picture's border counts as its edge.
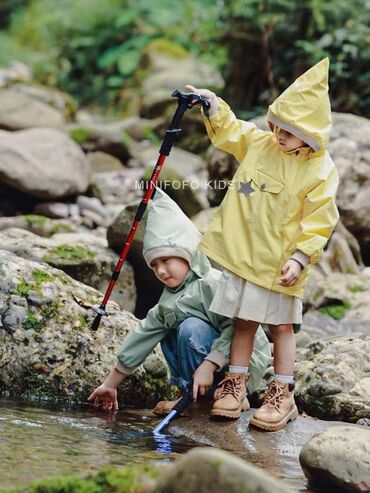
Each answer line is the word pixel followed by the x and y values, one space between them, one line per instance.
pixel 203 378
pixel 211 96
pixel 290 271
pixel 107 396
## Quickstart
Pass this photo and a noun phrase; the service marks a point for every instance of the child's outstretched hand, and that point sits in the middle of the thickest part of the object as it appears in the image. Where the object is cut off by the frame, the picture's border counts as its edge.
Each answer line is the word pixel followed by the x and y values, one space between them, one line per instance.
pixel 290 272
pixel 203 378
pixel 106 396
pixel 211 96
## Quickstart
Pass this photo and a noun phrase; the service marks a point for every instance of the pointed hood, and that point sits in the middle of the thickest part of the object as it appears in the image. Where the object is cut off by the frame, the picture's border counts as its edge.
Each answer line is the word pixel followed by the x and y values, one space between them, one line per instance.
pixel 169 232
pixel 304 108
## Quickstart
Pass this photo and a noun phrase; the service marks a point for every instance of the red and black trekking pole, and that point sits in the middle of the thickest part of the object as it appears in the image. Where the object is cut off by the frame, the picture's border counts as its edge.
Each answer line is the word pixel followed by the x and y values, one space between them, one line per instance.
pixel 185 101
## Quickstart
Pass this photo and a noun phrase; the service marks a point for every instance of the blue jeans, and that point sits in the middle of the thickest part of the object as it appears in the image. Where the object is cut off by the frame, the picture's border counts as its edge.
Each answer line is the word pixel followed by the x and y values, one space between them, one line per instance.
pixel 186 348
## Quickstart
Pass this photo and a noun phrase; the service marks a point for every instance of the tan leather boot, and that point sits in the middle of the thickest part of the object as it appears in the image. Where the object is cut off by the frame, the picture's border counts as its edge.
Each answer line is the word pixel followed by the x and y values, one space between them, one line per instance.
pixel 231 396
pixel 164 407
pixel 277 409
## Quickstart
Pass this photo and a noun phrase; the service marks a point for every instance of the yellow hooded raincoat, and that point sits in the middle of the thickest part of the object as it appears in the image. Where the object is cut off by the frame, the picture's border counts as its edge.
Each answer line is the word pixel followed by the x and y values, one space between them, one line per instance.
pixel 278 202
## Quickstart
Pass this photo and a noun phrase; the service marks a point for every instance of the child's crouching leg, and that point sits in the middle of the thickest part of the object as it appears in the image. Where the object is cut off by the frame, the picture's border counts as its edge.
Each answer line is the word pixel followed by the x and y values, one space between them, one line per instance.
pixel 184 350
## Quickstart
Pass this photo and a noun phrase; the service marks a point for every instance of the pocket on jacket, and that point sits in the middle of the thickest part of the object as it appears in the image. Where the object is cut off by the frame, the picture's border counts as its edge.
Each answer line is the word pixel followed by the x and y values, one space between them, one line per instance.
pixel 267 183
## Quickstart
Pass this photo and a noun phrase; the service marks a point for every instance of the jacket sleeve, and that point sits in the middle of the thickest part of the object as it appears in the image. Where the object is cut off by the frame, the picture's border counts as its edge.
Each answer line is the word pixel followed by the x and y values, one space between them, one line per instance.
pixel 140 342
pixel 228 133
pixel 319 217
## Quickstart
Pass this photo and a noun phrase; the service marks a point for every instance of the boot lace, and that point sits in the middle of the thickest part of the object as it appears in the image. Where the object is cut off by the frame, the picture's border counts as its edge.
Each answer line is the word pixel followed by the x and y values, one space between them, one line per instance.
pixel 274 395
pixel 229 385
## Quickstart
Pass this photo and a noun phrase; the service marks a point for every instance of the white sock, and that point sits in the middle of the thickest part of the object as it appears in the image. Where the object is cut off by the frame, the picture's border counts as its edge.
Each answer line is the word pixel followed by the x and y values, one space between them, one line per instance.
pixel 283 378
pixel 238 369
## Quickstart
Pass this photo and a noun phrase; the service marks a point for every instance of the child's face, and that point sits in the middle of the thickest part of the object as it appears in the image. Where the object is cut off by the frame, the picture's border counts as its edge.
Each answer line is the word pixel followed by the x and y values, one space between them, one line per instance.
pixel 288 141
pixel 170 270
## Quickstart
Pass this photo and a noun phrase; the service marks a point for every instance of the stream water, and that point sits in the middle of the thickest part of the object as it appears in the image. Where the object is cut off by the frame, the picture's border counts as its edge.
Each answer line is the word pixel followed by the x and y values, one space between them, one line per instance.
pixel 38 442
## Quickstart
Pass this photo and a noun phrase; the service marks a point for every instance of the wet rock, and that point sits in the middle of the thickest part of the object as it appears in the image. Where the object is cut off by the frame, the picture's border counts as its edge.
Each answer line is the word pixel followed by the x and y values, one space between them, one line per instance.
pixel 19 110
pixel 339 457
pixel 331 384
pixel 43 162
pixel 53 354
pixel 116 235
pixel 207 469
pixel 83 256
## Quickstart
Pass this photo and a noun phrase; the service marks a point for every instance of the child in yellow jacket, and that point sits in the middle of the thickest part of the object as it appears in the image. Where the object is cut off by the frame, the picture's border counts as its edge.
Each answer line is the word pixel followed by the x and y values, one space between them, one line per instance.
pixel 273 223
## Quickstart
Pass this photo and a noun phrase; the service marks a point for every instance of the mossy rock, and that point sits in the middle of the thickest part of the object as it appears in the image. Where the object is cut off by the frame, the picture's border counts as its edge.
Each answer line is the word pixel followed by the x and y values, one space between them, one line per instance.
pixel 44 226
pixel 127 479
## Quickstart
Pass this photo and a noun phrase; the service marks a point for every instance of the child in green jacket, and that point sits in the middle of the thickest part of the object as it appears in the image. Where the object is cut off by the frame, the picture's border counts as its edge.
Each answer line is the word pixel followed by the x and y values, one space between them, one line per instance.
pixel 194 341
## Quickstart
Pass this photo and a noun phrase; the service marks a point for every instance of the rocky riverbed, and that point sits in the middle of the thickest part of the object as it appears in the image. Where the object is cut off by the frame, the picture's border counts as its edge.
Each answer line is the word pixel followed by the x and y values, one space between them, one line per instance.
pixel 70 183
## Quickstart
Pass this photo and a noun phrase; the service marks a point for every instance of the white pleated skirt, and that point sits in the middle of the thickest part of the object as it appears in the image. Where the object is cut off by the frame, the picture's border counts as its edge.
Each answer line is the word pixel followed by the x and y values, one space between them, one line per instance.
pixel 237 298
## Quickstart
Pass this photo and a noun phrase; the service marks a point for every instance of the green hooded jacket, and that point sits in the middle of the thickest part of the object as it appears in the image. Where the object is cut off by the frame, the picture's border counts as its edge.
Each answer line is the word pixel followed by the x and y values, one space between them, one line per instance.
pixel 170 232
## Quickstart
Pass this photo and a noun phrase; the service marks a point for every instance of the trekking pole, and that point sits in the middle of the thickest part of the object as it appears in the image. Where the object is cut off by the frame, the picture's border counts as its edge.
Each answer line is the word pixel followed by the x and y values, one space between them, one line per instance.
pixel 185 101
pixel 177 409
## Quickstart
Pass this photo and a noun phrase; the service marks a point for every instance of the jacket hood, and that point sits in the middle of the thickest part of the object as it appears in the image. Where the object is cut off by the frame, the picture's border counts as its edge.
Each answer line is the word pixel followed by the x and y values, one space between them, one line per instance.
pixel 169 232
pixel 304 108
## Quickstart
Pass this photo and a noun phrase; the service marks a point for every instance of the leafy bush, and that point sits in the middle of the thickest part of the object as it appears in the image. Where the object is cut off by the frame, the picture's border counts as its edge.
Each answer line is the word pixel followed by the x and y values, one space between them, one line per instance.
pixel 92 48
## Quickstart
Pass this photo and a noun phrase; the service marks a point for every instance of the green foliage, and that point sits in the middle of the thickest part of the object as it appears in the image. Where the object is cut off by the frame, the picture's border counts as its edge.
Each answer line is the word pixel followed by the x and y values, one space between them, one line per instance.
pixel 336 310
pixel 39 276
pixel 33 322
pixel 80 134
pixel 23 288
pixel 94 50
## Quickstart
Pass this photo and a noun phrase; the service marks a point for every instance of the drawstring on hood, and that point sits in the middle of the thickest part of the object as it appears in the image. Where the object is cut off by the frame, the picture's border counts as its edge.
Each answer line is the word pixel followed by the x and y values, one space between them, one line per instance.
pixel 303 109
pixel 170 233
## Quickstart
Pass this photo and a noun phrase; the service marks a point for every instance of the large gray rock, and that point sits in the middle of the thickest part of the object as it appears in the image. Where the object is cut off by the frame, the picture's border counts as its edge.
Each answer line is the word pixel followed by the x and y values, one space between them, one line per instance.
pixel 338 304
pixel 349 147
pixel 83 256
pixel 115 138
pixel 339 457
pixel 47 348
pixel 333 379
pixel 168 71
pixel 19 110
pixel 37 224
pixel 202 470
pixel 43 162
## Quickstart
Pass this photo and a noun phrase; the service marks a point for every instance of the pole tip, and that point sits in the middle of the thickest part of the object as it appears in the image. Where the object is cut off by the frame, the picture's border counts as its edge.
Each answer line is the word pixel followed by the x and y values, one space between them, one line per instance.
pixel 96 323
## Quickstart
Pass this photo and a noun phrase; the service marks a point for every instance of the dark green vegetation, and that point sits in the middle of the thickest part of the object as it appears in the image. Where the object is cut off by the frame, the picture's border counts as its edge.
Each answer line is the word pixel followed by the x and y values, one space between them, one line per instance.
pixel 95 50
pixel 336 310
